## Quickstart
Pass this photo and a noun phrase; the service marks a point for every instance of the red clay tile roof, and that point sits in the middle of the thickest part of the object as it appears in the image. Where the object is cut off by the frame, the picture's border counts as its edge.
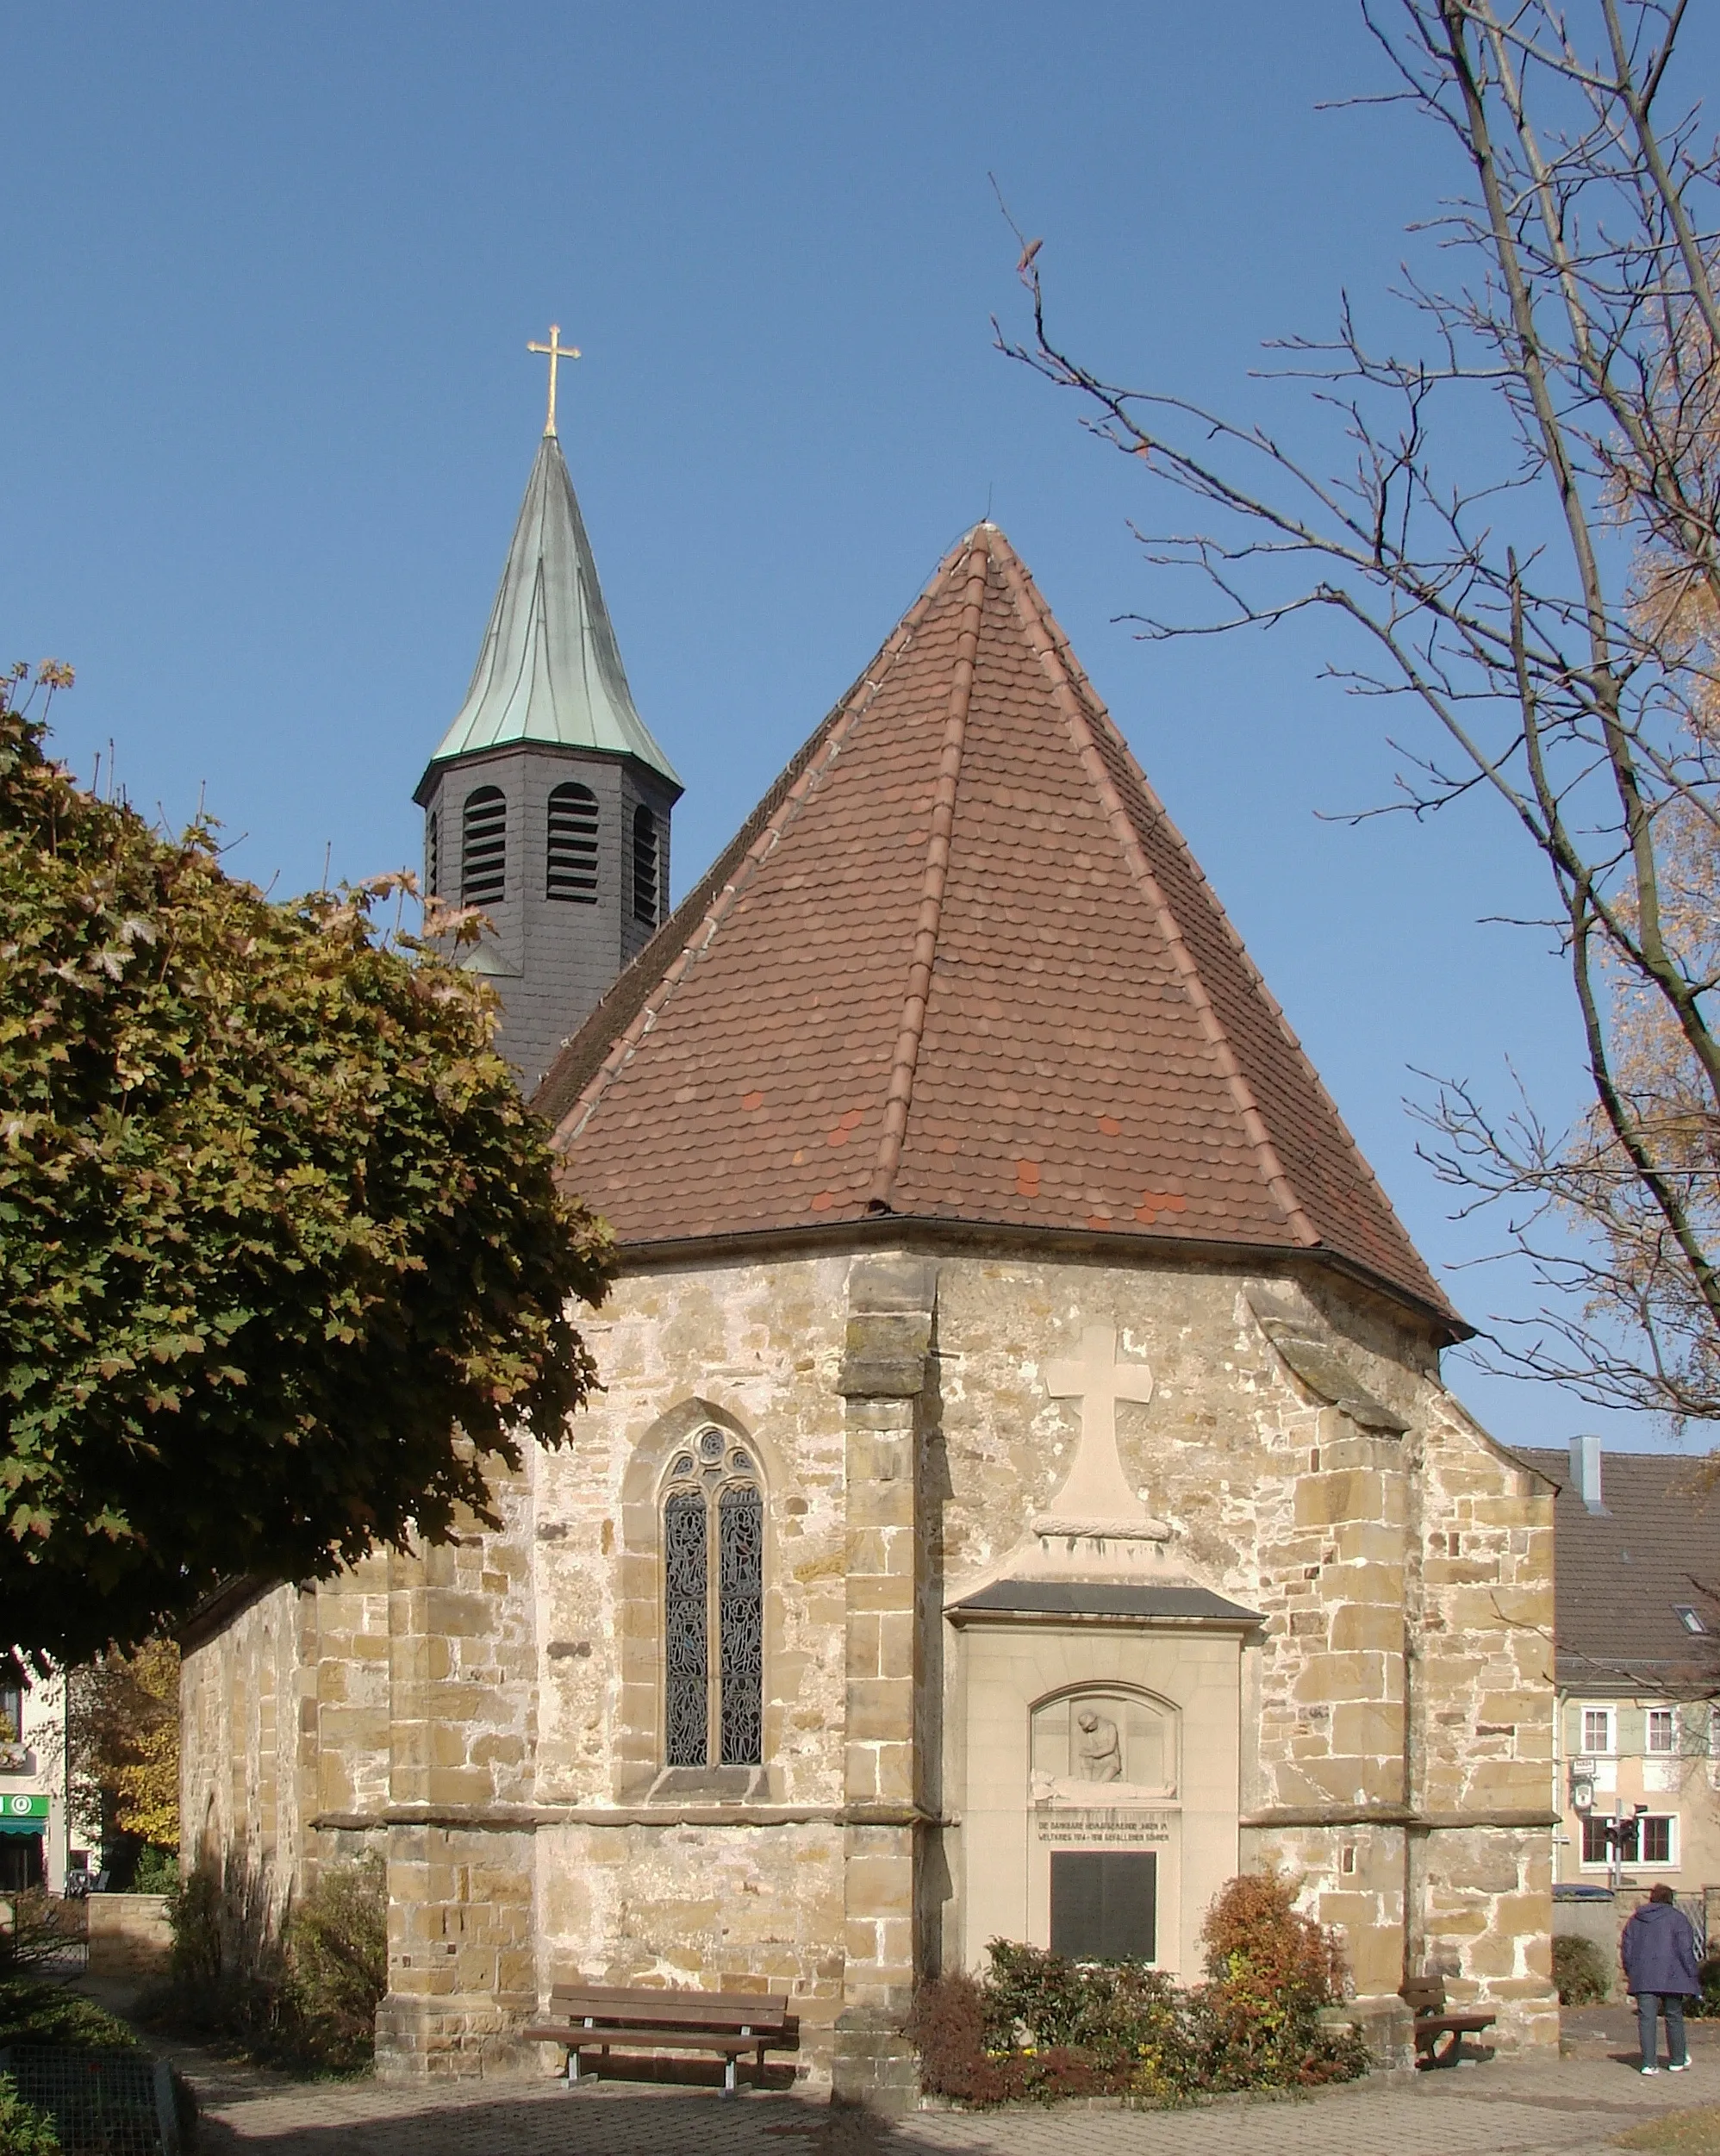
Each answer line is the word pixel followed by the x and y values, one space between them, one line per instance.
pixel 960 966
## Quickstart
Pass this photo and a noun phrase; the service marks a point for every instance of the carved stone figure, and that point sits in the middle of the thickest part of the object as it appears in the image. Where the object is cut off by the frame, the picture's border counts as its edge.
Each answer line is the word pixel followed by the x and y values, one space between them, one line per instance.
pixel 1099 1751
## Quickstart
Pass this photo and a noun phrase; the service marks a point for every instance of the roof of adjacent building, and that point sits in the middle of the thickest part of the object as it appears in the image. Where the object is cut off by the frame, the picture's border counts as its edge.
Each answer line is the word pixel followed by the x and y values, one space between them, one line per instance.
pixel 1621 1575
pixel 550 668
pixel 960 966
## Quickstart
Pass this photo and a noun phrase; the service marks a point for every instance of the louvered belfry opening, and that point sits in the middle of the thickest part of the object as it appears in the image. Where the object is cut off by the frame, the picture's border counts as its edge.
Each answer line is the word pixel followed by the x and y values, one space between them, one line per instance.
pixel 645 866
pixel 433 852
pixel 571 855
pixel 484 847
pixel 713 1487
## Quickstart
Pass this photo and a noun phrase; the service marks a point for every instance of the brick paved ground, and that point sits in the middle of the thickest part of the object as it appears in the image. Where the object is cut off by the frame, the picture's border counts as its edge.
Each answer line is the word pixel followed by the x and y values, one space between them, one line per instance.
pixel 1574 2106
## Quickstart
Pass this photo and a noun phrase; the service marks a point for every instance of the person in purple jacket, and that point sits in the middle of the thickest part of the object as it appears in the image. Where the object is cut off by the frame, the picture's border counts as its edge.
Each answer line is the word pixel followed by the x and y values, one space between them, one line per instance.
pixel 1658 1948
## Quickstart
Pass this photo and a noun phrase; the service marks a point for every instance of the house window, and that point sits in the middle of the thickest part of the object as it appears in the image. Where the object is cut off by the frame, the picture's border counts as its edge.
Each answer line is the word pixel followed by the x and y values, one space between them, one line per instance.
pixel 1596 1730
pixel 713 1597
pixel 1649 1839
pixel 570 862
pixel 1661 1730
pixel 11 1711
pixel 1691 1620
pixel 484 848
pixel 645 867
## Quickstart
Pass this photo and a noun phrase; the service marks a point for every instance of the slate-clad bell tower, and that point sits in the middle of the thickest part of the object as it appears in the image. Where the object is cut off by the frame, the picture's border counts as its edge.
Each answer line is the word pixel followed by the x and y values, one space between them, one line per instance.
pixel 547 803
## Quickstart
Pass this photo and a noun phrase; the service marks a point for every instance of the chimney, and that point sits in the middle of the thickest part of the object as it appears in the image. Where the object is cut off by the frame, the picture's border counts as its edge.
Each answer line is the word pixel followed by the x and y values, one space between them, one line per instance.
pixel 1586 1471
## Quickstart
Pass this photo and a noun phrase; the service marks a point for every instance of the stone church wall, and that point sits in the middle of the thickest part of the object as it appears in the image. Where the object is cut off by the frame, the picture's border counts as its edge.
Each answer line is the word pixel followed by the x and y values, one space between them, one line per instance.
pixel 242 1802
pixel 489 1713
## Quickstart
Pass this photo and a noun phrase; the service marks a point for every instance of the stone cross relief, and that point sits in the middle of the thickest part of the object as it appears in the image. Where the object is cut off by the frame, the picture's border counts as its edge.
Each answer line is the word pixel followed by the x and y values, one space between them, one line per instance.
pixel 1095 1499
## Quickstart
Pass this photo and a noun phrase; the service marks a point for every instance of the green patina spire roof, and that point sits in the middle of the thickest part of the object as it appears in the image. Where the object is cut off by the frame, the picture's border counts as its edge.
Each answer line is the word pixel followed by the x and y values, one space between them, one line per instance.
pixel 550 668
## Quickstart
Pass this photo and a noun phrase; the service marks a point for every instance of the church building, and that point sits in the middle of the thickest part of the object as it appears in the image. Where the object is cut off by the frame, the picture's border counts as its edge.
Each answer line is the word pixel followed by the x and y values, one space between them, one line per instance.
pixel 1022 1493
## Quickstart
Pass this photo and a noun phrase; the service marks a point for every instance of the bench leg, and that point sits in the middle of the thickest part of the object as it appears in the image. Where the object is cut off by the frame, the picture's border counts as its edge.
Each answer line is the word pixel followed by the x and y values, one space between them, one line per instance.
pixel 730 2062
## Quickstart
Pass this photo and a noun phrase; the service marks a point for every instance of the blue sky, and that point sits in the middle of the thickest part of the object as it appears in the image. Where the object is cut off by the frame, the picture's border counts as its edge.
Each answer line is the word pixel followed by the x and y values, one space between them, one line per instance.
pixel 266 414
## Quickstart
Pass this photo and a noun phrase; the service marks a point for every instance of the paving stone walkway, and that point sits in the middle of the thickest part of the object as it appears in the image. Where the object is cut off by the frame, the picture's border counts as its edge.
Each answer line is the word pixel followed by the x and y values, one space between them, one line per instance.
pixel 1572 2106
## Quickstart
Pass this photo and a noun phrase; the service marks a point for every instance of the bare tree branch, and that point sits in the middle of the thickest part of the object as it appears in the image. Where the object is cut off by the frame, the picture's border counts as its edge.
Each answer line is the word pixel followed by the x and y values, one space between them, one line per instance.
pixel 1521 525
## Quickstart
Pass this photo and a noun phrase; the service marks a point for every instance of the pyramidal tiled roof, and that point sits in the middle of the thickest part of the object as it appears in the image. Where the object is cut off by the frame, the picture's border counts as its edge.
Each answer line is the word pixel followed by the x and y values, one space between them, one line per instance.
pixel 960 966
pixel 550 668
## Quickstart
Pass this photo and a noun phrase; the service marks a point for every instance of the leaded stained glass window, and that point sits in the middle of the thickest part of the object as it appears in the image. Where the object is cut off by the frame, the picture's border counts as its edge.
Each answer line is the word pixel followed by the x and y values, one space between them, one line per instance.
pixel 714 1589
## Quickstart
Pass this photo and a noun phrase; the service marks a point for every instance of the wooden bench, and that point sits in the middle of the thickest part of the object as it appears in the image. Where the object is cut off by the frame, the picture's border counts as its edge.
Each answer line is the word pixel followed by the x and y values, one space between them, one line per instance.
pixel 1439 2035
pixel 592 2017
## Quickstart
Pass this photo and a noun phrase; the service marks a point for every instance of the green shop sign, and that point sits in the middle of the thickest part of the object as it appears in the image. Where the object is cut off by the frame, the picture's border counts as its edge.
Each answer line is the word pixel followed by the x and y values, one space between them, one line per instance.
pixel 24 1815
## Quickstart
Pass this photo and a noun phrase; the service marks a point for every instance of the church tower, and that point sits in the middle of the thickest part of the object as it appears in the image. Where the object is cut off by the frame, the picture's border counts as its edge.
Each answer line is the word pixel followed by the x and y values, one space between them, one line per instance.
pixel 547 802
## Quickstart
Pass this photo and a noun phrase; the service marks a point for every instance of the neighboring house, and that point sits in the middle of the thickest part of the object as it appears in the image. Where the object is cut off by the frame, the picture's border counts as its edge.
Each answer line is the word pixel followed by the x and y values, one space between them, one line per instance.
pixel 32 1829
pixel 1637 1557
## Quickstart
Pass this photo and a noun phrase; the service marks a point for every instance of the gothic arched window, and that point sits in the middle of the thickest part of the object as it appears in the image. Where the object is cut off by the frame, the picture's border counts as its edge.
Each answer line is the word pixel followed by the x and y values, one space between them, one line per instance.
pixel 713 1592
pixel 570 858
pixel 645 866
pixel 484 848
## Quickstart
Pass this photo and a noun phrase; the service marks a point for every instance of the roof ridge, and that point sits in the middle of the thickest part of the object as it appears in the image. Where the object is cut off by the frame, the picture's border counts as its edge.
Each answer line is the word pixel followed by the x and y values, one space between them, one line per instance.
pixel 1049 644
pixel 666 960
pixel 906 1058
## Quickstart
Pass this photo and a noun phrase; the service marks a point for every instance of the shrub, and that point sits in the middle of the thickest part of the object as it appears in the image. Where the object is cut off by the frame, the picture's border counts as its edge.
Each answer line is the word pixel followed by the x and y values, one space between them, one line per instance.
pixel 40 1930
pixel 24 2131
pixel 1042 2025
pixel 1706 2005
pixel 299 1988
pixel 157 1871
pixel 229 1965
pixel 947 2028
pixel 1579 1973
pixel 1270 1969
pixel 1121 2019
pixel 337 1962
pixel 35 2011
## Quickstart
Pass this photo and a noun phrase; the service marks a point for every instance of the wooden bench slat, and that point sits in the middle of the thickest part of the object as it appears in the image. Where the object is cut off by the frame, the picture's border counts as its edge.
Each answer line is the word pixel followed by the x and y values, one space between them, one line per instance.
pixel 637 2012
pixel 646 2039
pixel 632 1997
pixel 643 2010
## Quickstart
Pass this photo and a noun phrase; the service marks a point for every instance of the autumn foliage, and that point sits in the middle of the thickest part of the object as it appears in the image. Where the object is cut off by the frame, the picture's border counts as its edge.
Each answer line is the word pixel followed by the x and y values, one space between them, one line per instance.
pixel 1039 2026
pixel 124 1743
pixel 284 1269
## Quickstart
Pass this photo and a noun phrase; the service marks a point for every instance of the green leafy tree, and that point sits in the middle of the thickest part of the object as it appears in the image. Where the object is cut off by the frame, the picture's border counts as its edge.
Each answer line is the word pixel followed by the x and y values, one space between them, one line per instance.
pixel 284 1268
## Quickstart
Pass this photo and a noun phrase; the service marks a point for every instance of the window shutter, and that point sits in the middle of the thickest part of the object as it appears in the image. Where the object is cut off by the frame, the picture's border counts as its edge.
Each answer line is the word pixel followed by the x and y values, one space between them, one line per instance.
pixel 484 848
pixel 645 867
pixel 570 861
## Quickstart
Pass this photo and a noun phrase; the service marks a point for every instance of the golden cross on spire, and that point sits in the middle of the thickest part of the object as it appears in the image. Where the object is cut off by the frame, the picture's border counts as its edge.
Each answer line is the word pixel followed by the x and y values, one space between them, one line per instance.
pixel 552 352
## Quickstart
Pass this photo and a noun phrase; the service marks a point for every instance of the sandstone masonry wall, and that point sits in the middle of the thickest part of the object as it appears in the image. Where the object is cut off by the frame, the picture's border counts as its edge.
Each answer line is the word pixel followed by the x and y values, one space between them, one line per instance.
pixel 489 1713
